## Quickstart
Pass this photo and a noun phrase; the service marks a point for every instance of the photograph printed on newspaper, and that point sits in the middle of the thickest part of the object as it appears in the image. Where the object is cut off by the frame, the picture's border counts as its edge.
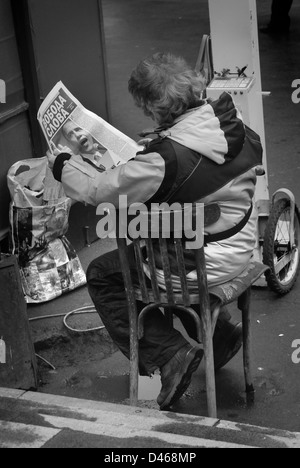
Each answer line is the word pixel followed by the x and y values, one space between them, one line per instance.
pixel 66 123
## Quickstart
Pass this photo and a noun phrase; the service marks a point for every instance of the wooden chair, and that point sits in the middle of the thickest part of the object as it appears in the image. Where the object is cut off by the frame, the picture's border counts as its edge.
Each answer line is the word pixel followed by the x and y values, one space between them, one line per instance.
pixel 237 290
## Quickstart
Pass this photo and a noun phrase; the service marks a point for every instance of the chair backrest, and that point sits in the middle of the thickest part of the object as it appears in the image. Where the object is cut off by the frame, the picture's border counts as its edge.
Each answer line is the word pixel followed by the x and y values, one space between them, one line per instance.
pixel 162 232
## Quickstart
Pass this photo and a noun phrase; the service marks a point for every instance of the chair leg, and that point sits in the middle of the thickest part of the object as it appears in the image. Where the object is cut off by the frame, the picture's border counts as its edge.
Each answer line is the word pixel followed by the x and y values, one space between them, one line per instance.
pixel 244 306
pixel 134 359
pixel 133 322
pixel 209 363
pixel 215 315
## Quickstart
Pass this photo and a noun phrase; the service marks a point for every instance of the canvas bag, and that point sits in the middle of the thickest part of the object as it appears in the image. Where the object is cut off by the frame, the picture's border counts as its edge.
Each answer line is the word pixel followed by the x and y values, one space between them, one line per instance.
pixel 39 213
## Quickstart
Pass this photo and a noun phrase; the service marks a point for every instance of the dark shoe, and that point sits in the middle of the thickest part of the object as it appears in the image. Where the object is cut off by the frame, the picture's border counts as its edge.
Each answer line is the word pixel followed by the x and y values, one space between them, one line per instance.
pixel 228 340
pixel 176 375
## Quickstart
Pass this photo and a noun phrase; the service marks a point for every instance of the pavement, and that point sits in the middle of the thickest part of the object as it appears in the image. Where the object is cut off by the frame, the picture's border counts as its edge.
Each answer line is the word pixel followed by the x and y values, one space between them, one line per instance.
pixel 87 366
pixel 34 420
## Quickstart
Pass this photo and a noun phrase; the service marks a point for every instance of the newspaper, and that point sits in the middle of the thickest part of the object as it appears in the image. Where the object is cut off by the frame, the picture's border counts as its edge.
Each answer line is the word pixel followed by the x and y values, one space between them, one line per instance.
pixel 67 124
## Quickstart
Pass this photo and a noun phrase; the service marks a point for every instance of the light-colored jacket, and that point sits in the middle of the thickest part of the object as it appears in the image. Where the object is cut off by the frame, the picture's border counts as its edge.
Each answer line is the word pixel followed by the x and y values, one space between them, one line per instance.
pixel 216 164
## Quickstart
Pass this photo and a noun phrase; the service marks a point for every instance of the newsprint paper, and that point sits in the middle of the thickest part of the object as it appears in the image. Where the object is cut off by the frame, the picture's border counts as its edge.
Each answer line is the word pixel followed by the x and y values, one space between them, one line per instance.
pixel 67 123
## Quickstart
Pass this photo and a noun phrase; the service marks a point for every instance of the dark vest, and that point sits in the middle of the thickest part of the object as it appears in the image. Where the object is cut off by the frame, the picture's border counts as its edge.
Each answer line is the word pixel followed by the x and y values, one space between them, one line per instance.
pixel 189 176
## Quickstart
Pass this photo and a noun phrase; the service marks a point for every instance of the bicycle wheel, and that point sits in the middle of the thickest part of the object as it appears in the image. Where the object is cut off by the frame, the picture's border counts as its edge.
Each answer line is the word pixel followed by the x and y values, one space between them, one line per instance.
pixel 279 254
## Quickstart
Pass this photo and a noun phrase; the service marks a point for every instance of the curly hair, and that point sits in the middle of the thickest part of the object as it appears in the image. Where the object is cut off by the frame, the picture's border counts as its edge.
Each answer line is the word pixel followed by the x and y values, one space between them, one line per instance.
pixel 165 87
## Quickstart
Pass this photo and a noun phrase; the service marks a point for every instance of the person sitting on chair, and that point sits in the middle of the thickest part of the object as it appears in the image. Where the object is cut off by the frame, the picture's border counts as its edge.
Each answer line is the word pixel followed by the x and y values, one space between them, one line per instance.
pixel 203 153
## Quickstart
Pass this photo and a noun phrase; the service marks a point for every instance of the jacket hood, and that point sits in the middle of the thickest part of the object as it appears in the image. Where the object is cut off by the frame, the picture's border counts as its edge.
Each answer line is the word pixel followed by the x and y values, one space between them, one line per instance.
pixel 215 130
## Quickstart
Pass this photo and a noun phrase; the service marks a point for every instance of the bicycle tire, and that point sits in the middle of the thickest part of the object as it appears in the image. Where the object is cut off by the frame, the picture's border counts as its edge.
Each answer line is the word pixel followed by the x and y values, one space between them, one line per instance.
pixel 281 282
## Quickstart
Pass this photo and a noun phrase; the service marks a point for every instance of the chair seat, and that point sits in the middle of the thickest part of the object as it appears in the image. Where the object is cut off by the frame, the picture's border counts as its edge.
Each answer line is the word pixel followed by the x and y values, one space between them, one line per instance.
pixel 232 290
pixel 226 293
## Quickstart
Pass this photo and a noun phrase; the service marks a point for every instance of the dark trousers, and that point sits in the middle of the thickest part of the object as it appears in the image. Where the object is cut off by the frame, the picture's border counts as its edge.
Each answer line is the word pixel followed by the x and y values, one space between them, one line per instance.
pixel 160 343
pixel 280 19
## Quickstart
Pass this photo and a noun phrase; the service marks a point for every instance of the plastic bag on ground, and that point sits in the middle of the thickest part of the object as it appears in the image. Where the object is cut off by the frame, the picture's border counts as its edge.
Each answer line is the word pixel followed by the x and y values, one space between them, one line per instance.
pixel 39 214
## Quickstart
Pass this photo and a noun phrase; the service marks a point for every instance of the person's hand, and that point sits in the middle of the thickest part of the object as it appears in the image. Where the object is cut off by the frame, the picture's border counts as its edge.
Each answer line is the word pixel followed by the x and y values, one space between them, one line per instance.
pixel 51 159
pixel 52 156
pixel 145 142
pixel 63 149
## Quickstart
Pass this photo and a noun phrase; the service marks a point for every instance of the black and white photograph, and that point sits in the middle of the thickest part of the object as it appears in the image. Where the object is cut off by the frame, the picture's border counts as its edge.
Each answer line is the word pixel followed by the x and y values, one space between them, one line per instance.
pixel 149 226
